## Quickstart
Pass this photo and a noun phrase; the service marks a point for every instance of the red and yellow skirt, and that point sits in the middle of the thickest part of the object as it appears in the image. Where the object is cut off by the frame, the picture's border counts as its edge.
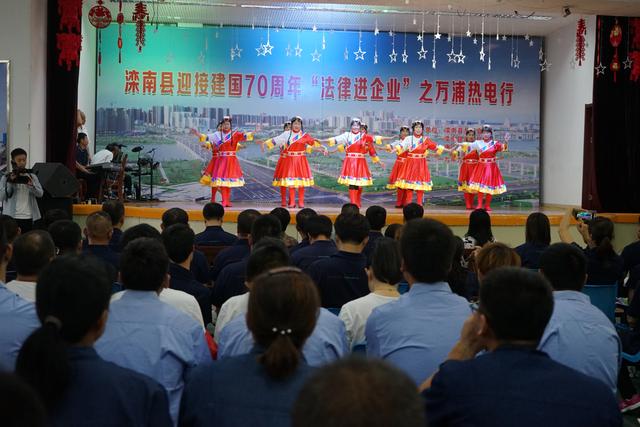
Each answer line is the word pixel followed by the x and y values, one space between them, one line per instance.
pixel 415 174
pixel 464 175
pixel 294 171
pixel 225 172
pixel 355 171
pixel 486 178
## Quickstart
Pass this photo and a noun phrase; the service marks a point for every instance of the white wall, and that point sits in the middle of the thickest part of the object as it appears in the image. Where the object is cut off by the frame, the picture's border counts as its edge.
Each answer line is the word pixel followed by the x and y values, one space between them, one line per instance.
pixel 22 41
pixel 565 91
pixel 87 77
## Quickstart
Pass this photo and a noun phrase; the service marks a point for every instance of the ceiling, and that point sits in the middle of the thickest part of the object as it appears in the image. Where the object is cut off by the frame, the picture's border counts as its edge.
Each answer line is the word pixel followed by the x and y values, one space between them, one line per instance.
pixel 539 17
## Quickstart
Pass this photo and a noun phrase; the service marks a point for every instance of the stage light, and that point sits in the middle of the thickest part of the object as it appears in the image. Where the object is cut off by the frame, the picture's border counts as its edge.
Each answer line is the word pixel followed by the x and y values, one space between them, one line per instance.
pixel 566 11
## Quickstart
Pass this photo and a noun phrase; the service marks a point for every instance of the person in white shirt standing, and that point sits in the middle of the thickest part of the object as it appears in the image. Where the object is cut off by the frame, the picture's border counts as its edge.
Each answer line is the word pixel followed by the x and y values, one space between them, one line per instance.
pixel 383 275
pixel 18 192
pixel 32 252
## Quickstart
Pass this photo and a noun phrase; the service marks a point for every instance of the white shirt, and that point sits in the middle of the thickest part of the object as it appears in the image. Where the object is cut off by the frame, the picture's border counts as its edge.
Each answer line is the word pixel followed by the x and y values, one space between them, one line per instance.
pixel 23 207
pixel 102 156
pixel 234 307
pixel 177 299
pixel 355 314
pixel 26 290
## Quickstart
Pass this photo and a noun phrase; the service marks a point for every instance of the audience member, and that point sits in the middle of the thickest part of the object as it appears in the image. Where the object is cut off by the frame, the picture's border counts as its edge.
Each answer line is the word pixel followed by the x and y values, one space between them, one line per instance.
pixel 284 217
pixel 240 248
pixel 377 217
pixel 412 211
pixel 83 160
pixel 513 383
pixel 604 265
pixel 213 234
pixel 231 280
pixel 397 331
pixel 20 406
pixel 631 253
pixel 267 254
pixel 461 281
pixel 578 335
pixel 32 252
pixel 199 265
pixel 383 275
pixel 59 361
pixel 392 231
pixel 341 277
pixel 17 316
pixel 138 231
pixel 98 230
pixel 630 339
pixel 301 218
pixel 161 342
pixel 115 209
pixel 358 393
pixel 537 239
pixel 282 311
pixel 350 209
pixel 492 256
pixel 319 229
pixel 11 231
pixel 19 190
pixel 479 232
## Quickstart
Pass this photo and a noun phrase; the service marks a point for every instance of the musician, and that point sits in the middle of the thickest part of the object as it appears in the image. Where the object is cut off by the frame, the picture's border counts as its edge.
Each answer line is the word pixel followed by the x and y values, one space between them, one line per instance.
pixel 83 160
pixel 18 192
pixel 112 153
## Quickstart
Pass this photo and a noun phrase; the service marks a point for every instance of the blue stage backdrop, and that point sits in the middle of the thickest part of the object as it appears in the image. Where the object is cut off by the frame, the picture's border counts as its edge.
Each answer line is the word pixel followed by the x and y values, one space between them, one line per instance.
pixel 188 77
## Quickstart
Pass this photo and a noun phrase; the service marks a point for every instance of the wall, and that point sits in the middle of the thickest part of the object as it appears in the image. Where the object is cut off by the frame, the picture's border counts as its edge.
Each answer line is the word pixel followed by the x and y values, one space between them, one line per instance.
pixel 565 91
pixel 22 41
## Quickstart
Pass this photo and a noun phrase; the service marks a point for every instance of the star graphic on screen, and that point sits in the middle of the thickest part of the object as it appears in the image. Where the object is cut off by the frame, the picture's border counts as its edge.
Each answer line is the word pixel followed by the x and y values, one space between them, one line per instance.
pixel 433 63
pixel 504 38
pixel 438 35
pixel 420 37
pixel 314 28
pixel 287 50
pixel 422 53
pixel 298 51
pixel 545 65
pixel 315 56
pixel 267 48
pixel 452 56
pixel 376 31
pixel 359 54
pixel 391 33
pixel 489 64
pixel 475 40
pixel 527 36
pixel 260 50
pixel 530 43
pixel 405 57
pixel 449 37
pixel 600 69
pixel 627 63
pixel 516 63
pixel 375 58
pixel 540 54
pixel 482 54
pixel 393 56
pixel 461 57
pixel 468 33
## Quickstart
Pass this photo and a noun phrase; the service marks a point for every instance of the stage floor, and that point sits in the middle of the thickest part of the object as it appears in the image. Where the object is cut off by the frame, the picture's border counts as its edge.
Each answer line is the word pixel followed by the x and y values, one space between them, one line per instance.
pixel 449 215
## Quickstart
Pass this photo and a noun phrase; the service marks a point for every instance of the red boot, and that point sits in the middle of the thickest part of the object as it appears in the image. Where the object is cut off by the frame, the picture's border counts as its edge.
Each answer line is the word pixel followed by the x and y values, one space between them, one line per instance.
pixel 487 202
pixel 353 196
pixel 468 200
pixel 479 205
pixel 408 196
pixel 420 197
pixel 359 203
pixel 399 197
pixel 283 197
pixel 292 197
pixel 226 196
pixel 301 197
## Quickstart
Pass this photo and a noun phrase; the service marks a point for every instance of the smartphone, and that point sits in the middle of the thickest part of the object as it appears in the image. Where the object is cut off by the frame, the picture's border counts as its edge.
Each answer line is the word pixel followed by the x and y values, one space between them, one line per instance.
pixel 584 215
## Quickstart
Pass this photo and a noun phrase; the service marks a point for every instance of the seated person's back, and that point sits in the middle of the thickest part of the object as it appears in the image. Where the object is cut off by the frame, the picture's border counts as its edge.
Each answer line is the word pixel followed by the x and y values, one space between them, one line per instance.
pixel 32 252
pixel 377 217
pixel 98 231
pixel 319 230
pixel 513 384
pixel 537 239
pixel 240 248
pixel 214 235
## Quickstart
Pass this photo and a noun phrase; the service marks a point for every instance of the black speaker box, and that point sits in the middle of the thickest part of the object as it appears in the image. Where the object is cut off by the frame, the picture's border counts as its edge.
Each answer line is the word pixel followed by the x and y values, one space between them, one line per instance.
pixel 56 179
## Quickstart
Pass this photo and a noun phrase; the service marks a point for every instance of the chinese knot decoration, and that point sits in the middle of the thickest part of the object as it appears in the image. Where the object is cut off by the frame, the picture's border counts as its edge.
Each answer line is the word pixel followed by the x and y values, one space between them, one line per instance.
pixel 580 32
pixel 615 38
pixel 99 17
pixel 69 43
pixel 120 21
pixel 139 15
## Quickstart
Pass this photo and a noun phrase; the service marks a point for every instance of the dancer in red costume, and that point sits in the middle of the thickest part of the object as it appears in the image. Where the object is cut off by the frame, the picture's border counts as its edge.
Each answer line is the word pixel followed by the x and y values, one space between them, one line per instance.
pixel 467 166
pixel 294 169
pixel 224 169
pixel 486 178
pixel 400 193
pixel 414 174
pixel 277 173
pixel 355 172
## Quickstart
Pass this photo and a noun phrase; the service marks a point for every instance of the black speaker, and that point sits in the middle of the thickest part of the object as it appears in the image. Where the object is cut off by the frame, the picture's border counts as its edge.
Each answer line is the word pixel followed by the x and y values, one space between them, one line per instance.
pixel 56 179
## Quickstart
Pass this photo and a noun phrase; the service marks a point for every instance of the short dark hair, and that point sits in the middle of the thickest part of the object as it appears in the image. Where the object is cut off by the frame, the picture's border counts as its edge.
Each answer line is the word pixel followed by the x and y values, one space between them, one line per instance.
pixel 352 228
pixel 18 152
pixel 517 304
pixel 267 254
pixel 377 217
pixel 213 210
pixel 10 226
pixel 115 209
pixel 81 136
pixel 480 227
pixel 565 266
pixel 538 230
pixel 350 208
pixel 178 240
pixel 412 211
pixel 138 231
pixel 392 230
pixel 359 392
pixel 301 218
pixel 32 252
pixel 283 216
pixel 53 215
pixel 386 261
pixel 144 264
pixel 246 219
pixel 319 225
pixel 265 226
pixel 66 236
pixel 98 224
pixel 427 248
pixel 174 216
pixel 496 255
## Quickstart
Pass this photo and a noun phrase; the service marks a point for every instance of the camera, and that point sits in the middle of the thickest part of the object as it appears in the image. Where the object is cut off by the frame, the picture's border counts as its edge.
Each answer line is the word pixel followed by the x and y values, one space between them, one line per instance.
pixel 19 176
pixel 584 215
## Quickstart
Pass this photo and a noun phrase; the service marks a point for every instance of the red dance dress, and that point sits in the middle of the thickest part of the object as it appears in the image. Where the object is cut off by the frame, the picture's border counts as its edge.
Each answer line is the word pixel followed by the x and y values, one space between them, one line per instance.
pixel 292 169
pixel 486 177
pixel 468 165
pixel 397 166
pixel 414 173
pixel 355 170
pixel 224 168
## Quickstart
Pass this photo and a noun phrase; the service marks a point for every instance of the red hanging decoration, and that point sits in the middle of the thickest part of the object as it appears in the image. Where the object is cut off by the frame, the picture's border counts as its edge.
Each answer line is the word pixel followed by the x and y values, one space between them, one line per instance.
pixel 139 15
pixel 580 32
pixel 99 17
pixel 120 22
pixel 69 43
pixel 615 38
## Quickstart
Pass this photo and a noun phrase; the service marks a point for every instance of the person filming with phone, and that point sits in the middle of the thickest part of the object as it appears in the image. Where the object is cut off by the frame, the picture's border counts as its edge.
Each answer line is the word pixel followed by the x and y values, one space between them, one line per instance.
pixel 18 191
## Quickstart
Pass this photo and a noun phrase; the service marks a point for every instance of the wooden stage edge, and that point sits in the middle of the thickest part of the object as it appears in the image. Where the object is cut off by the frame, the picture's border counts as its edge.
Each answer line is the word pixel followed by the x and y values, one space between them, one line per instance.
pixel 450 216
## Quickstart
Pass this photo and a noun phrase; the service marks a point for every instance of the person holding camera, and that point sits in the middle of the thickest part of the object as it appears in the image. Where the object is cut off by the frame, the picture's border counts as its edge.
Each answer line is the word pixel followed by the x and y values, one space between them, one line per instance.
pixel 18 191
